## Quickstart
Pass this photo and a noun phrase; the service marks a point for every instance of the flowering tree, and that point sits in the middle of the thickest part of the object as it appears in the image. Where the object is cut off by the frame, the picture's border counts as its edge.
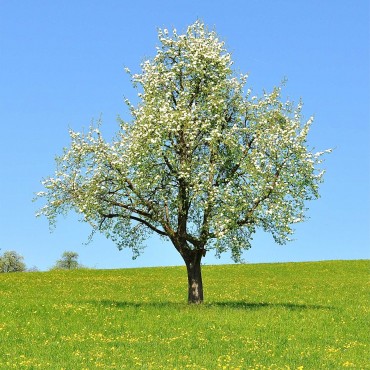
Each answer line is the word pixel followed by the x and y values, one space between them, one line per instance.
pixel 69 261
pixel 203 163
pixel 11 261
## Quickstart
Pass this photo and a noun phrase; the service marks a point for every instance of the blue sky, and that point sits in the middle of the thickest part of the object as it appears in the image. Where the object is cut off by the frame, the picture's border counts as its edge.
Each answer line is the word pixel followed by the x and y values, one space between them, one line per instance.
pixel 62 65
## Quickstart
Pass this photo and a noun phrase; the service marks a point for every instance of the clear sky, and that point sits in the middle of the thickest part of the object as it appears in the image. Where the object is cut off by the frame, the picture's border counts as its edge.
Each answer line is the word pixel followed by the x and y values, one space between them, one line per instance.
pixel 62 65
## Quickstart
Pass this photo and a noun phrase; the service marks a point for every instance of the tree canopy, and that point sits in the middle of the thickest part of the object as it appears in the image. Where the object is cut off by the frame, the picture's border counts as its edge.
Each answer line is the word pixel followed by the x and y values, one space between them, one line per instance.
pixel 203 162
pixel 11 261
pixel 69 261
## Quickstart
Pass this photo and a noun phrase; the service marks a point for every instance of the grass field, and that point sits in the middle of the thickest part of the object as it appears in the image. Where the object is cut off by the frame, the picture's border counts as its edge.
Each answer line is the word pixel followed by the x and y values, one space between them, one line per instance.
pixel 266 316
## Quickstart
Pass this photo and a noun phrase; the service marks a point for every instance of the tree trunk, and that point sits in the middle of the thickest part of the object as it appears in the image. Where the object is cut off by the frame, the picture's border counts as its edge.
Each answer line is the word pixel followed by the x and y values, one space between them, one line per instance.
pixel 195 284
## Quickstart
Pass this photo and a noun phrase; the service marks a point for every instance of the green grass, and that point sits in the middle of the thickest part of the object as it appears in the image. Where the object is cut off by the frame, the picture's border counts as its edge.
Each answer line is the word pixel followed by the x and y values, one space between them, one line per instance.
pixel 266 316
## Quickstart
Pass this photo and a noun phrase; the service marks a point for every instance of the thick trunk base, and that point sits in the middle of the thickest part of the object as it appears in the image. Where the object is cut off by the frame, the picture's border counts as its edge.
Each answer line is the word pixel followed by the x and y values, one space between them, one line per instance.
pixel 195 283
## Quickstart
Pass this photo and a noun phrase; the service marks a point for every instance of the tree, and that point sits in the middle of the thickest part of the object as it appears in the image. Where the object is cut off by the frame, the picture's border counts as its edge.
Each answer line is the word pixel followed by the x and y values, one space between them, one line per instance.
pixel 11 261
pixel 68 261
pixel 202 163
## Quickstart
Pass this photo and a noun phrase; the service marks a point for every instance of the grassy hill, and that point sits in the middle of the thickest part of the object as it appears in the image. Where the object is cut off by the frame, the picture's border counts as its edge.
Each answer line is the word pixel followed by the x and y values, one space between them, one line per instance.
pixel 265 316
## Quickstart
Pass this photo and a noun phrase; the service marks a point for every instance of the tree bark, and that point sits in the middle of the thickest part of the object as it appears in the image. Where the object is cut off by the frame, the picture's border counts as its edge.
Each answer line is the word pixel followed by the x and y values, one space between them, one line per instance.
pixel 195 284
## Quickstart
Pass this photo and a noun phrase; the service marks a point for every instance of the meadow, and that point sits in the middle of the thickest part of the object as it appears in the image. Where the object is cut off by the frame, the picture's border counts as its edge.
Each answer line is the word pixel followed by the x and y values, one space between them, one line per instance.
pixel 312 315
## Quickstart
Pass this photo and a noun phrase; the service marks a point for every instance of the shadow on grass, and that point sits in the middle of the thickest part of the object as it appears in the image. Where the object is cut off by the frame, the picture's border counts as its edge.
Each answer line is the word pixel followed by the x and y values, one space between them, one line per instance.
pixel 241 305
pixel 259 305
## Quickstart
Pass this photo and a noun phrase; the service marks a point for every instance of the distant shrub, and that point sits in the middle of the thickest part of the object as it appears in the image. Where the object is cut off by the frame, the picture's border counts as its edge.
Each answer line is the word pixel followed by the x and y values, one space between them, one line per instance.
pixel 33 269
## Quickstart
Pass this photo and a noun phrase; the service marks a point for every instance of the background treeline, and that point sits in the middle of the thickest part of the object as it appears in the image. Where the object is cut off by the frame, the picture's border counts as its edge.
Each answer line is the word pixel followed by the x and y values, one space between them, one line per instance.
pixel 11 261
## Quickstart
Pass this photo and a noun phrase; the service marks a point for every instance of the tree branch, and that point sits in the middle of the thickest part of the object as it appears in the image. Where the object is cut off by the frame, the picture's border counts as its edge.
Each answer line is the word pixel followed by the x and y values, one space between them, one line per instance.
pixel 149 225
pixel 127 207
pixel 246 219
pixel 144 222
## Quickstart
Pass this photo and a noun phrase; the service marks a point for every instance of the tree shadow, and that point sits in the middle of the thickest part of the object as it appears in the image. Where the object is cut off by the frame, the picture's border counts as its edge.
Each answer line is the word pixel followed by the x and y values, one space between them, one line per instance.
pixel 260 305
pixel 238 305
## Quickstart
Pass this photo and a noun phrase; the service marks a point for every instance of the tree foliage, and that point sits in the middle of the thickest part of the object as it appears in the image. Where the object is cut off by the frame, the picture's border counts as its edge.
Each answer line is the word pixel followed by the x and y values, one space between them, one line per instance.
pixel 69 261
pixel 202 163
pixel 11 261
